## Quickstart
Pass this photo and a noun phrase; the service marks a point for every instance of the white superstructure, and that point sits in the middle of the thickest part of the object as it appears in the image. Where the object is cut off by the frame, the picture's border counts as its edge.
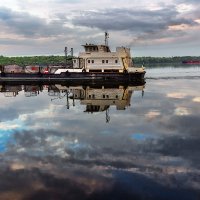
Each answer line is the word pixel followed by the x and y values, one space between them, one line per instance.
pixel 99 58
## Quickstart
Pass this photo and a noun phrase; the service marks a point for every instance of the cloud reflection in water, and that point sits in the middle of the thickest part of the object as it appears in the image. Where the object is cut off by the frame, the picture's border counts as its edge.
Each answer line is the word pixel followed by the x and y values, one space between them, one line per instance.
pixel 147 151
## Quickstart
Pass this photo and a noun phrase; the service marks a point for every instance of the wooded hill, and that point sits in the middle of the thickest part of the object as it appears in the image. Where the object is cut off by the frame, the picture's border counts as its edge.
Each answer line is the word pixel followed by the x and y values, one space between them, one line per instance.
pixel 34 60
pixel 61 60
pixel 164 60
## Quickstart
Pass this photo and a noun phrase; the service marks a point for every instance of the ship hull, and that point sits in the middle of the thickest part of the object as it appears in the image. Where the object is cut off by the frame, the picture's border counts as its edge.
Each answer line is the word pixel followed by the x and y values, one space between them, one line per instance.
pixel 81 77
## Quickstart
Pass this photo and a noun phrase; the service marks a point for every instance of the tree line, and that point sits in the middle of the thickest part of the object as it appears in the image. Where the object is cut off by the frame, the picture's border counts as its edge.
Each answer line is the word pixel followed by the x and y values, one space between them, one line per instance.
pixel 34 60
pixel 61 60
pixel 164 60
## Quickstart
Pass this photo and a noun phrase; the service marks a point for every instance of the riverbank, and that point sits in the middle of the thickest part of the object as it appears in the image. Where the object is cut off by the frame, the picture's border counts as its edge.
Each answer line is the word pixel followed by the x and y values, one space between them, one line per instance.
pixel 61 60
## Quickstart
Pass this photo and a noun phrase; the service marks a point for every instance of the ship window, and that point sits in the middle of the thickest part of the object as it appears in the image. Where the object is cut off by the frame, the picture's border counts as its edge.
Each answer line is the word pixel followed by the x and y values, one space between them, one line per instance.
pixel 106 61
pixel 88 61
pixel 116 61
pixel 92 61
pixel 103 61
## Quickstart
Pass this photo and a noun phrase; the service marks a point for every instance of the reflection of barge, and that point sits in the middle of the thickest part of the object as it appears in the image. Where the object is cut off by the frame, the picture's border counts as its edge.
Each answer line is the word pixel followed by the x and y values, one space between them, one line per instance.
pixel 96 63
pixel 10 90
pixel 101 99
pixel 96 98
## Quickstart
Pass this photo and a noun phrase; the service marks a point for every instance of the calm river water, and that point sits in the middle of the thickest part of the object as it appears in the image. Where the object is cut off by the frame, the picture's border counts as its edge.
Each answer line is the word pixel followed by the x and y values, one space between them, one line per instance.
pixel 143 142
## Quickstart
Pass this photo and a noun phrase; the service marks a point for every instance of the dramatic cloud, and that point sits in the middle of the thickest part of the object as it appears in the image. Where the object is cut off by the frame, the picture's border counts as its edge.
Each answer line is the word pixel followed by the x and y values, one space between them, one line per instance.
pixel 30 26
pixel 188 1
pixel 157 28
pixel 132 20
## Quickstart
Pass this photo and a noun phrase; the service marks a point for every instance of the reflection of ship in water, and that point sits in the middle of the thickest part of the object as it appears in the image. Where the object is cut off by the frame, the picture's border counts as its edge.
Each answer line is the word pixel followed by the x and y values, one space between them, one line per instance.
pixel 32 90
pixel 95 98
pixel 13 90
pixel 10 90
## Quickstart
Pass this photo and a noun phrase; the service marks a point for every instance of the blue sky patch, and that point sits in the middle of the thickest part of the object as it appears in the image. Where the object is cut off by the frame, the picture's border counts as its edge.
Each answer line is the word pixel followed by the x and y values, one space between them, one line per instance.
pixel 142 136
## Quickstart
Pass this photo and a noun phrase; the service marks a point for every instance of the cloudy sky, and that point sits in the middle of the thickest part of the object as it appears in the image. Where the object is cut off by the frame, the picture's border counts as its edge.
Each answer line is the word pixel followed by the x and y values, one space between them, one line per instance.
pixel 155 28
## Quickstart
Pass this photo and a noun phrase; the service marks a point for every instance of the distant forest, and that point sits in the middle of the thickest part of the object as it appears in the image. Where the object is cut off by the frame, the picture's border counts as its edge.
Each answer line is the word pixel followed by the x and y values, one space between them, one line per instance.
pixel 34 60
pixel 61 60
pixel 163 60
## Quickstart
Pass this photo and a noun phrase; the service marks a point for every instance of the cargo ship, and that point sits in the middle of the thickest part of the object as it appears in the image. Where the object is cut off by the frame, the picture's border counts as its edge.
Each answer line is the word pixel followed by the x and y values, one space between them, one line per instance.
pixel 97 62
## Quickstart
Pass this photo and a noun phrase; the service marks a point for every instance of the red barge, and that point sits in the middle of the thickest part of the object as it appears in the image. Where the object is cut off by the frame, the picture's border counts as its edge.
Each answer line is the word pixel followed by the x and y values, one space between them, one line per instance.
pixel 191 62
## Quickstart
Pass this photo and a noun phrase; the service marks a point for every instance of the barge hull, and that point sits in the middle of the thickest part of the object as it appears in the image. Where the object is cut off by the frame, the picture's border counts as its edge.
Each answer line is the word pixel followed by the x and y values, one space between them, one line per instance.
pixel 72 77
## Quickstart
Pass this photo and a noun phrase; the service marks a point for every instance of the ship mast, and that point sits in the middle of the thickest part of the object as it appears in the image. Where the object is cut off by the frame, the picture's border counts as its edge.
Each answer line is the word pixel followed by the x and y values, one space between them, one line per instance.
pixel 106 38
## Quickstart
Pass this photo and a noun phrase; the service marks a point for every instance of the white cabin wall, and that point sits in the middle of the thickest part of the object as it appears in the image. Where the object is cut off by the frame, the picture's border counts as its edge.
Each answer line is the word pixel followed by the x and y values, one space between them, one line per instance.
pixel 99 65
pixel 122 54
pixel 98 61
pixel 125 54
pixel 75 63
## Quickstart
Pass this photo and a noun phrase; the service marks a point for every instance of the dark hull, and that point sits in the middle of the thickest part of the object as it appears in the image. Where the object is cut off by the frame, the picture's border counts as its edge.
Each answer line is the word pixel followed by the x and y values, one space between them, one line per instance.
pixel 72 78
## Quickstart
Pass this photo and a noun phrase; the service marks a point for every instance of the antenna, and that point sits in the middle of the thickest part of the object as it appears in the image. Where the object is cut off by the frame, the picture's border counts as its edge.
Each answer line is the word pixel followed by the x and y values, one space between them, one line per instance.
pixel 106 38
pixel 107 116
pixel 66 56
pixel 65 51
pixel 72 52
